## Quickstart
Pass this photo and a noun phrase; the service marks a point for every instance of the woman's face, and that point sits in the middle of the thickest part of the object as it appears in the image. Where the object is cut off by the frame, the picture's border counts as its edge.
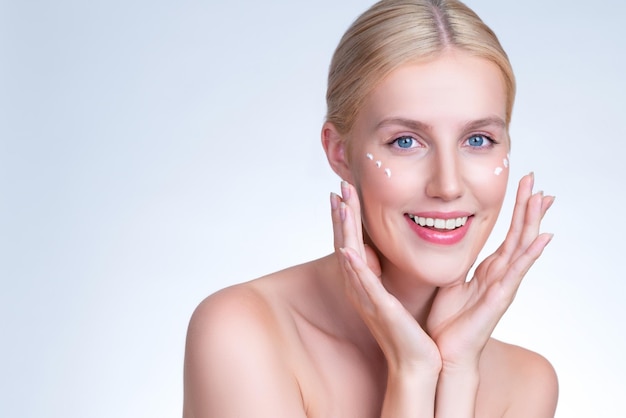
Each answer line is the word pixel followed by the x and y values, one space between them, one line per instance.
pixel 429 156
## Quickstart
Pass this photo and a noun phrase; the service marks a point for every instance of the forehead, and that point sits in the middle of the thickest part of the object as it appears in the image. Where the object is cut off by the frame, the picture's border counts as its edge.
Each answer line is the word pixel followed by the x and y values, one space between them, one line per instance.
pixel 452 87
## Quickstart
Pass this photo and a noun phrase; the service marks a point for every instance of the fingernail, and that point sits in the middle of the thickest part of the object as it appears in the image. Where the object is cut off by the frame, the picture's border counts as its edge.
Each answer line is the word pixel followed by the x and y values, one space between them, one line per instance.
pixel 334 200
pixel 345 190
pixel 550 201
pixel 346 255
pixel 532 179
pixel 539 199
pixel 342 211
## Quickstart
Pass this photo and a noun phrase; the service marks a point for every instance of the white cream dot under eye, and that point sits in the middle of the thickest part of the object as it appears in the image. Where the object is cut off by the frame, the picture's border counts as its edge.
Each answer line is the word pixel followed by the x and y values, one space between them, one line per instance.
pixel 505 162
pixel 378 164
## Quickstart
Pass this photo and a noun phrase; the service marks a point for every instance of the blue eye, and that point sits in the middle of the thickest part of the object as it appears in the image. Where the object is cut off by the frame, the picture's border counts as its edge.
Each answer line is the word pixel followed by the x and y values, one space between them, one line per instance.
pixel 405 142
pixel 479 141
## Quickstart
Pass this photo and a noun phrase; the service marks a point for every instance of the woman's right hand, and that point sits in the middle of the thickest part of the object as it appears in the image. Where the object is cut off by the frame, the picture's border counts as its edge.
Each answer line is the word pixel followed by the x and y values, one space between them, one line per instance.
pixel 409 351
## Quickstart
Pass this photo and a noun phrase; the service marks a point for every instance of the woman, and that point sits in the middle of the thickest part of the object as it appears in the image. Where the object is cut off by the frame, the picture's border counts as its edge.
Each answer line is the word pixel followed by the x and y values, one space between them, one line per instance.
pixel 419 101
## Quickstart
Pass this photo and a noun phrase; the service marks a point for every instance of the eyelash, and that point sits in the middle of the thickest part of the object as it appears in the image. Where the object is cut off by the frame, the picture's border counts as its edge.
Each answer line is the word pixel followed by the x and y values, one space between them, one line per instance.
pixel 395 141
pixel 490 141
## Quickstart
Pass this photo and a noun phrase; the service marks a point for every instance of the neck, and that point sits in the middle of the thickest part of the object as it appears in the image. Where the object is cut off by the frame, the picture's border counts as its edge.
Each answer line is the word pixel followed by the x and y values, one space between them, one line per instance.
pixel 416 296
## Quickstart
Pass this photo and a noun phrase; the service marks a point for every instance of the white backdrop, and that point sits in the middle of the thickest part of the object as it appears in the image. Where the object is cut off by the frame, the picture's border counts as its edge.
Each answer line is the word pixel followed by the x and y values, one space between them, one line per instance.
pixel 153 152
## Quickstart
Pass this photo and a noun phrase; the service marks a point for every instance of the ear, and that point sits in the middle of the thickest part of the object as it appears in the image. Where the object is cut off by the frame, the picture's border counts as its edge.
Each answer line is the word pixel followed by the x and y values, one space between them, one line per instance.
pixel 335 148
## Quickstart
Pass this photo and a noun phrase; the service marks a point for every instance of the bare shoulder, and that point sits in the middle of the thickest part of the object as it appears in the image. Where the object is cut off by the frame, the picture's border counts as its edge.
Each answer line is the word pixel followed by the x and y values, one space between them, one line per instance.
pixel 523 379
pixel 237 306
pixel 233 353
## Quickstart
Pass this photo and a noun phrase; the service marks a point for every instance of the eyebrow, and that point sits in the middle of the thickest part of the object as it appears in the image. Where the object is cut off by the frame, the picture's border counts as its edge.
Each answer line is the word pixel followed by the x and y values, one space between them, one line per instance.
pixel 421 126
pixel 408 123
pixel 496 121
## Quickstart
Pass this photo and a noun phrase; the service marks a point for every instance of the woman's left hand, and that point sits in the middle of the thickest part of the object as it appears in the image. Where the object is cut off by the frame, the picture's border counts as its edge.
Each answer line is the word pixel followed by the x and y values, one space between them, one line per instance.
pixel 463 316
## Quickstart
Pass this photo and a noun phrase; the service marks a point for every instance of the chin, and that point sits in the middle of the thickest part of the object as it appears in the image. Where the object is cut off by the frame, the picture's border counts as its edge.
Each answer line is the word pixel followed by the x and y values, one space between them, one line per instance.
pixel 445 277
pixel 435 270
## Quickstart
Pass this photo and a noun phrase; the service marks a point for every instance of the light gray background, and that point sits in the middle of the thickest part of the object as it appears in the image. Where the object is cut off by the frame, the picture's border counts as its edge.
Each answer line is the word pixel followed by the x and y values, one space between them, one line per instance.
pixel 153 152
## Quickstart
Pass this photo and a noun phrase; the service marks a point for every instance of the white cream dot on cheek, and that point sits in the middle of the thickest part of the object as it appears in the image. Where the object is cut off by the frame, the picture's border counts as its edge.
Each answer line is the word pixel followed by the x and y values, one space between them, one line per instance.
pixel 497 171
pixel 378 164
pixel 505 161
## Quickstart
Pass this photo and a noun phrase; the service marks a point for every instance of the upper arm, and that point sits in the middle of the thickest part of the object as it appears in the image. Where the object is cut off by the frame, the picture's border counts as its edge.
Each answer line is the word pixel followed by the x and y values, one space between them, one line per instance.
pixel 535 389
pixel 233 363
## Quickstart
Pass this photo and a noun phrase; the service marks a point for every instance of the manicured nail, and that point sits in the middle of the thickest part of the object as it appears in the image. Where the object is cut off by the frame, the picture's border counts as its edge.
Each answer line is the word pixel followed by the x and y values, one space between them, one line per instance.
pixel 346 255
pixel 549 200
pixel 334 200
pixel 345 190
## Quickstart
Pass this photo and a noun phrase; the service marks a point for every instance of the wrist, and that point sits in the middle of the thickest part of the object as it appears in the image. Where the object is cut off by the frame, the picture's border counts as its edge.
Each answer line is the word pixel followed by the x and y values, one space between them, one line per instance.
pixel 457 389
pixel 467 373
pixel 465 367
pixel 410 393
pixel 411 370
pixel 460 376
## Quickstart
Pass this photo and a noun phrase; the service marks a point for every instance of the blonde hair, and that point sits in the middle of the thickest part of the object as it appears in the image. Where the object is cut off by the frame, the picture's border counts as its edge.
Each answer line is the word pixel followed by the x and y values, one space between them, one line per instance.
pixel 394 32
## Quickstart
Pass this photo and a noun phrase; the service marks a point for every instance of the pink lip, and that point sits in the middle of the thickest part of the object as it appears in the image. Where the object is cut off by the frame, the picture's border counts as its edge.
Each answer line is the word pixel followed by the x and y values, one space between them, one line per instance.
pixel 440 237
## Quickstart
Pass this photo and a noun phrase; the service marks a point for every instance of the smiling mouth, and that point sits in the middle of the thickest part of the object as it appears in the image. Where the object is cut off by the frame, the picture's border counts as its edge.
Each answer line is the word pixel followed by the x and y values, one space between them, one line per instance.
pixel 439 224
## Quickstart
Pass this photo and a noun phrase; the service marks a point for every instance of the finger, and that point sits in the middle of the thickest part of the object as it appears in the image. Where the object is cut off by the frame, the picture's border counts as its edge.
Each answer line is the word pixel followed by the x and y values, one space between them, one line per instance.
pixel 494 266
pixel 363 278
pixel 351 199
pixel 546 204
pixel 501 294
pixel 371 258
pixel 354 287
pixel 532 223
pixel 349 229
pixel 338 240
pixel 524 192
pixel 518 269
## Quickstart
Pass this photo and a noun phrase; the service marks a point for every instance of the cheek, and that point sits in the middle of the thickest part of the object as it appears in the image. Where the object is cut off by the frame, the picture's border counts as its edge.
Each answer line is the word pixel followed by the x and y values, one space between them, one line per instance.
pixel 379 164
pixel 502 165
pixel 387 180
pixel 381 180
pixel 489 178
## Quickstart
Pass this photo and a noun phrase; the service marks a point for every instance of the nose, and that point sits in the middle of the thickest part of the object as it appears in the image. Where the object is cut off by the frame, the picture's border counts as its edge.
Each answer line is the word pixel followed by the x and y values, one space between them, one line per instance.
pixel 445 180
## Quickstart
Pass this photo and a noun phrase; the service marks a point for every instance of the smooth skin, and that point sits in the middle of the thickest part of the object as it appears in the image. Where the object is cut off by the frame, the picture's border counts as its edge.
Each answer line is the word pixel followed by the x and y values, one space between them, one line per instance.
pixel 387 325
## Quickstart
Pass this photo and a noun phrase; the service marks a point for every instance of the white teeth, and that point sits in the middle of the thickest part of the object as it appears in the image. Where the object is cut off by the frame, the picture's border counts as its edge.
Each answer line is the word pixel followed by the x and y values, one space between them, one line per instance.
pixel 449 224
